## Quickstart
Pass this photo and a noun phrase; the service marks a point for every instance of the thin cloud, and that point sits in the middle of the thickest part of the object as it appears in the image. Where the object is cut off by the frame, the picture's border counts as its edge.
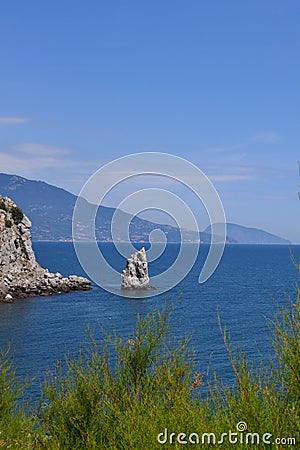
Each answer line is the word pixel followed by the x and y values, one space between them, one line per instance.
pixel 223 149
pixel 234 151
pixel 267 136
pixel 9 120
pixel 17 163
pixel 31 163
pixel 230 177
pixel 229 172
pixel 31 148
pixel 275 197
pixel 52 168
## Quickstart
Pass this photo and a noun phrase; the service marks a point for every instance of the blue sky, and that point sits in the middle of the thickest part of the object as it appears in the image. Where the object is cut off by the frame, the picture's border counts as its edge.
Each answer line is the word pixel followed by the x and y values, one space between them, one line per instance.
pixel 216 82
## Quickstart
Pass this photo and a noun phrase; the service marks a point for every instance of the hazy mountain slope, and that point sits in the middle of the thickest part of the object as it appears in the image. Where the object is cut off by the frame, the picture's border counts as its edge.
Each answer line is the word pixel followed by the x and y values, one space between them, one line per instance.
pixel 245 235
pixel 50 210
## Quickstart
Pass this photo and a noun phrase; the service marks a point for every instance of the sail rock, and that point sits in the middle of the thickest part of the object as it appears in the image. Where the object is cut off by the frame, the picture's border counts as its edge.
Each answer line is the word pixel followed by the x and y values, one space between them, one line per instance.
pixel 136 275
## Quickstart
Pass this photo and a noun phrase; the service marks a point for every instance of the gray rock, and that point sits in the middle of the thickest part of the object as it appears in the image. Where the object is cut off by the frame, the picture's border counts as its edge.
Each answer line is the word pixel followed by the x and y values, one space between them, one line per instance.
pixel 8 298
pixel 49 275
pixel 136 275
pixel 20 274
pixel 26 222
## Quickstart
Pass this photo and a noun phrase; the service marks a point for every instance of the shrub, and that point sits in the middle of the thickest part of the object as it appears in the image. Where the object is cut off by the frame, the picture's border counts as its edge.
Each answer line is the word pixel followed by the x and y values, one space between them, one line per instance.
pixel 15 424
pixel 152 386
pixel 17 214
pixel 125 392
pixel 119 393
pixel 2 205
pixel 8 223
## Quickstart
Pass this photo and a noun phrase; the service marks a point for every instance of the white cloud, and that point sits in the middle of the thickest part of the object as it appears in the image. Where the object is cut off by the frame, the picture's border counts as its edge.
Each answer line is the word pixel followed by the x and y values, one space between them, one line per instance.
pixel 14 163
pixel 32 148
pixel 47 163
pixel 229 172
pixel 9 120
pixel 238 151
pixel 39 161
pixel 230 177
pixel 267 136
pixel 275 197
pixel 223 149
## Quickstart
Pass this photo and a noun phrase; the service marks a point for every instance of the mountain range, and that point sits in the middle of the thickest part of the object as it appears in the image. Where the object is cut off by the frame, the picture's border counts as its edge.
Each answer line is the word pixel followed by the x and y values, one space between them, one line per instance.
pixel 50 210
pixel 238 234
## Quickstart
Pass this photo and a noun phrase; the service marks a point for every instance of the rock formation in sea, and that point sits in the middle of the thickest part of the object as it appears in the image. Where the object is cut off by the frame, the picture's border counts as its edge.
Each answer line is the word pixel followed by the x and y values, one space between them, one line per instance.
pixel 20 274
pixel 136 275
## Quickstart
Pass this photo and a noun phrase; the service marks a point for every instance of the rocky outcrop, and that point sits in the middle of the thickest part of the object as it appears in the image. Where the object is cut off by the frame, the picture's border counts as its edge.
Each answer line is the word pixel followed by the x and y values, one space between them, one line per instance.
pixel 20 273
pixel 136 275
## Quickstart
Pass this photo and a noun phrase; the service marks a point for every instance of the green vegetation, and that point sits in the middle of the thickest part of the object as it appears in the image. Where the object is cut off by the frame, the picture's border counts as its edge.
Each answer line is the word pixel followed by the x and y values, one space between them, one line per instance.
pixel 123 394
pixel 8 223
pixel 3 206
pixel 17 214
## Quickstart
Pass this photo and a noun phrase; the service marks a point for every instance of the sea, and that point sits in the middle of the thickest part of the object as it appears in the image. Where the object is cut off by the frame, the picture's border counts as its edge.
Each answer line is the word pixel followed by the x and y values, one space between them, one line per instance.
pixel 246 289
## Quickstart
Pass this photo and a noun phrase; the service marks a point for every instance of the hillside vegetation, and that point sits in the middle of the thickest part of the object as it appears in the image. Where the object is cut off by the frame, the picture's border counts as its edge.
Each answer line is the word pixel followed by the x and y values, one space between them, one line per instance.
pixel 143 393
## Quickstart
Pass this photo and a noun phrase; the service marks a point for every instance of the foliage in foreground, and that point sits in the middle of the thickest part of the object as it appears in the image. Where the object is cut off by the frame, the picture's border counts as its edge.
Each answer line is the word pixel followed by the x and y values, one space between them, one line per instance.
pixel 149 386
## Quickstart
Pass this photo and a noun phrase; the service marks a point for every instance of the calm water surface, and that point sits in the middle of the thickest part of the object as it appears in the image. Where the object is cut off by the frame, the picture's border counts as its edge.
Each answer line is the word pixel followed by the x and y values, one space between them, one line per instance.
pixel 248 283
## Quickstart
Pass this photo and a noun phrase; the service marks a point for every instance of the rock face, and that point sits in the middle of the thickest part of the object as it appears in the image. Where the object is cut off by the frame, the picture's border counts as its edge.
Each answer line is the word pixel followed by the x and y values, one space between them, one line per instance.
pixel 20 274
pixel 136 276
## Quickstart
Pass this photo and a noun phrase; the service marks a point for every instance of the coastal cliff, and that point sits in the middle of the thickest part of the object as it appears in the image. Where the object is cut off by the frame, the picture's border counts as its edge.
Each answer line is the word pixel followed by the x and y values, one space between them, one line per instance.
pixel 20 274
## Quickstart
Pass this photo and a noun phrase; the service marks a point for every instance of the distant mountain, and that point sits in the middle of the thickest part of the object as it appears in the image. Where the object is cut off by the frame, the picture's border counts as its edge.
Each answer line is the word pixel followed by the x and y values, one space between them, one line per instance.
pixel 50 210
pixel 239 234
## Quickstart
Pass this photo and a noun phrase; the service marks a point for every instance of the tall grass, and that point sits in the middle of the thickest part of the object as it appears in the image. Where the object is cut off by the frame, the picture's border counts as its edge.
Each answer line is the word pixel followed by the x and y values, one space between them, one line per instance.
pixel 143 391
pixel 15 422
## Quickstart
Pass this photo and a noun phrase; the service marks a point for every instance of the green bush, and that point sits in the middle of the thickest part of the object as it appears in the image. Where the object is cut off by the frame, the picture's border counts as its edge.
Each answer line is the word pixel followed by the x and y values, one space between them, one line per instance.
pixel 8 223
pixel 17 214
pixel 2 205
pixel 99 404
pixel 16 425
pixel 125 392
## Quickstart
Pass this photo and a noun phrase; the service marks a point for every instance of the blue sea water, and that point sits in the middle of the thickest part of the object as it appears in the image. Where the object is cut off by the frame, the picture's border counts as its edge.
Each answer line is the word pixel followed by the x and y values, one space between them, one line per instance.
pixel 245 288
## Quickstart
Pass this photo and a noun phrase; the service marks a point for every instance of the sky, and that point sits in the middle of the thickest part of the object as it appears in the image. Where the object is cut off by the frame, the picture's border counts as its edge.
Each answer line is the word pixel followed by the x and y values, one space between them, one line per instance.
pixel 213 82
